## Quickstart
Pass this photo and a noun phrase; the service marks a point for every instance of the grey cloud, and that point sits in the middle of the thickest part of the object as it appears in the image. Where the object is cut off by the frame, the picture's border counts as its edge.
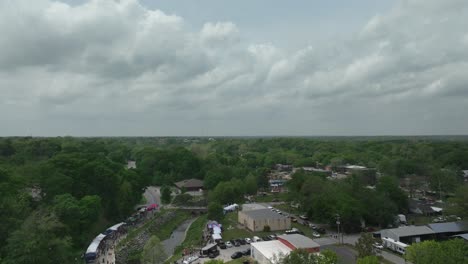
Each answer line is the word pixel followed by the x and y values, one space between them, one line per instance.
pixel 108 59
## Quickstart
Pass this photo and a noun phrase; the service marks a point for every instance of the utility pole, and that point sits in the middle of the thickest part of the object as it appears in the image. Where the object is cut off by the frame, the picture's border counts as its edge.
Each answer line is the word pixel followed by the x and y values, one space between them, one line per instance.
pixel 338 224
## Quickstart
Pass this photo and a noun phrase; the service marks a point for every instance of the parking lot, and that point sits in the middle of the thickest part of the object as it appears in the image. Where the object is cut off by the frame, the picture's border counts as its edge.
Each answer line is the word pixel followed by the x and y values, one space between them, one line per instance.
pixel 225 254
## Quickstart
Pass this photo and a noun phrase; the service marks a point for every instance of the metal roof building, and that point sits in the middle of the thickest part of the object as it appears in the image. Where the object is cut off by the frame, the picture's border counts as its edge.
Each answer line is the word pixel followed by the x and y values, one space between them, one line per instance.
pixel 464 236
pixel 253 206
pixel 257 220
pixel 408 234
pixel 450 227
pixel 296 241
pixel 263 213
pixel 190 185
pixel 269 252
pixel 446 230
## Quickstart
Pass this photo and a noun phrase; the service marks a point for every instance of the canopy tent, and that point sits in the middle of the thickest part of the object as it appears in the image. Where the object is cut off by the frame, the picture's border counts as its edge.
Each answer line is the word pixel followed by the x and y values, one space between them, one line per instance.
pixel 216 236
pixel 95 244
pixel 231 207
pixel 116 227
pixel 216 230
pixel 113 228
pixel 213 224
pixel 152 207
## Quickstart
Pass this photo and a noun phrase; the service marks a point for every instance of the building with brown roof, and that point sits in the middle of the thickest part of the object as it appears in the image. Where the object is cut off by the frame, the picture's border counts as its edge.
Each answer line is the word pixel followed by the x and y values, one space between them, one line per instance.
pixel 190 185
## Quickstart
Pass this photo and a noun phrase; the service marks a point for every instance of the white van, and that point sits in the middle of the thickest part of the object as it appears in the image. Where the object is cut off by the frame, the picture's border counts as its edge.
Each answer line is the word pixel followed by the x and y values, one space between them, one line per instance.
pixel 256 239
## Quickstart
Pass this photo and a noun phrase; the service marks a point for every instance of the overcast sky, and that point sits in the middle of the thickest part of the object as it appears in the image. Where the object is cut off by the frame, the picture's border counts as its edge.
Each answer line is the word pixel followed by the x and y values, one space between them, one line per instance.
pixel 210 67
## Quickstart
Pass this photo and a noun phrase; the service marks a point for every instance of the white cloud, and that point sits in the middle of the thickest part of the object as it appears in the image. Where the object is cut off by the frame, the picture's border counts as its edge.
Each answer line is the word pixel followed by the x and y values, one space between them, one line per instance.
pixel 219 33
pixel 119 59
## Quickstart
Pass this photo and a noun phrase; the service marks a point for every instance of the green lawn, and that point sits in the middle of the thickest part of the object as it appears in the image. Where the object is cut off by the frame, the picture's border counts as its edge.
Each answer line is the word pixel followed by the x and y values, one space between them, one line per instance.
pixel 164 231
pixel 419 219
pixel 280 197
pixel 307 230
pixel 287 208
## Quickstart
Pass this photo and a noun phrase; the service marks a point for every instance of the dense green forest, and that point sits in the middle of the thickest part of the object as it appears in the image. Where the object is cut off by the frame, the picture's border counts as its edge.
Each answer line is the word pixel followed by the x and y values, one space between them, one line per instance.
pixel 58 193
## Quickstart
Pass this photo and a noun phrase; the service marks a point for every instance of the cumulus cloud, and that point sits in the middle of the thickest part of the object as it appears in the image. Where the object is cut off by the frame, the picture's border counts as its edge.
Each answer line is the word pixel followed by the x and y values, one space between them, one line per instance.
pixel 119 62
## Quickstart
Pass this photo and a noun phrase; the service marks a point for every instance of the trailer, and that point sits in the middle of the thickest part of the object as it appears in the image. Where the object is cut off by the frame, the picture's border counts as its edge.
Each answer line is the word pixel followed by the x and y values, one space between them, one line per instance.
pixel 393 245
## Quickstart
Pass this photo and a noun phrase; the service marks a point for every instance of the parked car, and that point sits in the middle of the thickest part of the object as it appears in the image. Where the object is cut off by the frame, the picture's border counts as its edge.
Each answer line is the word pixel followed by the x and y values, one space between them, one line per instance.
pixel 314 227
pixel 242 241
pixel 236 255
pixel 293 219
pixel 248 240
pixel 222 245
pixel 316 234
pixel 190 260
pixel 272 237
pixel 378 245
pixel 213 254
pixel 303 217
pixel 237 243
pixel 321 230
pixel 228 244
pixel 246 252
pixel 265 238
pixel 256 239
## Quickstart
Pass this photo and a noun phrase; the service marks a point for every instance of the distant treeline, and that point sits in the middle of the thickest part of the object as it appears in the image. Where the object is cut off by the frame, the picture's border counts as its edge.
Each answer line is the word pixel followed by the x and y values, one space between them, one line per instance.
pixel 58 193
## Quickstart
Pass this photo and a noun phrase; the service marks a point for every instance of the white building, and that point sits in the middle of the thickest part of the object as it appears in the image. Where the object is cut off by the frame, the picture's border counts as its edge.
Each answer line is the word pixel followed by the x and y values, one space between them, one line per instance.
pixel 269 252
pixel 253 206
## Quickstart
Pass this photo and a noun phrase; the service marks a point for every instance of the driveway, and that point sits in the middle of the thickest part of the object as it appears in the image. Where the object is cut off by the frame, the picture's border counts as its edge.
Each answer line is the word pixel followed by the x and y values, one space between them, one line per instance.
pixel 345 254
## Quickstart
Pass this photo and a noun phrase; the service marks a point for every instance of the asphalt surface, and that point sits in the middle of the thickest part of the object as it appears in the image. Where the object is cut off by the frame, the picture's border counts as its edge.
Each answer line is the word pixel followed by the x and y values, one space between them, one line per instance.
pixel 392 257
pixel 345 254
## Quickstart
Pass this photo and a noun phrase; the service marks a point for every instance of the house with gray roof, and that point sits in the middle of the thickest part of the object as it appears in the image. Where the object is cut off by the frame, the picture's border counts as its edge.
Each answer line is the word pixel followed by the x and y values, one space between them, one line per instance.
pixel 190 185
pixel 409 234
pixel 257 220
pixel 462 236
pixel 446 230
pixel 296 241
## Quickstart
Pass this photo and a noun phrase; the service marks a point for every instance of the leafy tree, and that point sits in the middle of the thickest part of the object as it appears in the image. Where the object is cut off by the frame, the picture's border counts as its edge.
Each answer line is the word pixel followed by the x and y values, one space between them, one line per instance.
pixel 39 240
pixel 364 245
pixel 444 180
pixel 90 207
pixel 251 185
pixel 153 252
pixel 388 186
pixel 432 252
pixel 228 192
pixel 459 203
pixel 368 260
pixel 301 256
pixel 215 211
pixel 165 194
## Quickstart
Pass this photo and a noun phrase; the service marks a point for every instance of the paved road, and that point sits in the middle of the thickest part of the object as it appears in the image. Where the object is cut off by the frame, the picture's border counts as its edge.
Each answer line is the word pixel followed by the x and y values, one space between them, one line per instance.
pixel 393 258
pixel 345 254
